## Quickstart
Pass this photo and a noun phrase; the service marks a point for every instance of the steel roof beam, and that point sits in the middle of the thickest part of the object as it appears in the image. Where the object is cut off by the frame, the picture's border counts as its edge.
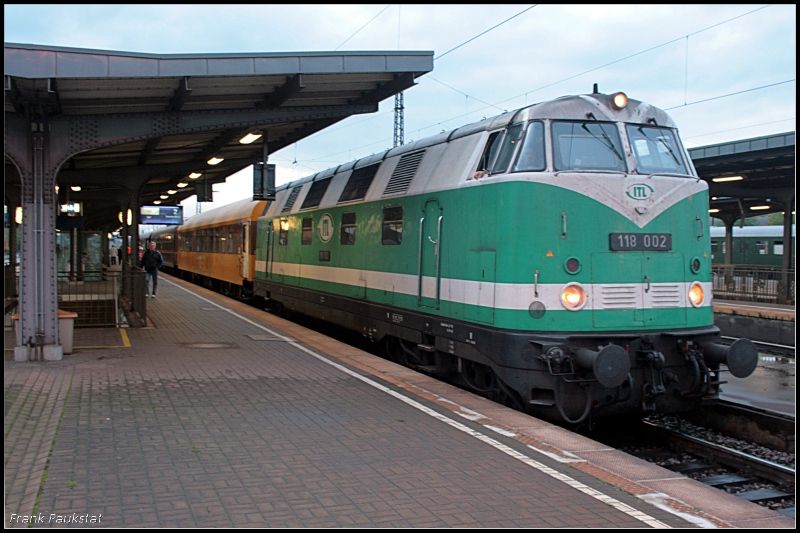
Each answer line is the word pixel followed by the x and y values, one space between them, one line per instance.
pixel 292 86
pixel 180 96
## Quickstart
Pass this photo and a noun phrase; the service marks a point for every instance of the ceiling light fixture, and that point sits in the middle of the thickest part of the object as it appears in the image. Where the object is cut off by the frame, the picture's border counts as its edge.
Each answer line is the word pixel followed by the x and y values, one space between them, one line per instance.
pixel 759 208
pixel 250 137
pixel 727 178
pixel 194 175
pixel 182 184
pixel 76 188
pixel 216 160
pixel 171 191
pixel 157 202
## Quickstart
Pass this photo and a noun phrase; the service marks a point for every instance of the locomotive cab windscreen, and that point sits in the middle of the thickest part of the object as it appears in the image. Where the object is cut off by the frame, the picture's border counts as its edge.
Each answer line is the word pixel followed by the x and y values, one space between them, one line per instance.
pixel 587 145
pixel 655 150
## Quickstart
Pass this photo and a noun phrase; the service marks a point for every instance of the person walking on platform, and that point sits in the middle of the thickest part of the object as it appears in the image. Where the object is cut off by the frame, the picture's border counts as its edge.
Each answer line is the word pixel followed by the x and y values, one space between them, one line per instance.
pixel 112 255
pixel 151 261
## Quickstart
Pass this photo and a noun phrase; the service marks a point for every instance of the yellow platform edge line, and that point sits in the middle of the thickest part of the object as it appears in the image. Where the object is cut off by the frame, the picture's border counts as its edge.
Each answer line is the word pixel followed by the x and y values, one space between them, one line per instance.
pixel 125 339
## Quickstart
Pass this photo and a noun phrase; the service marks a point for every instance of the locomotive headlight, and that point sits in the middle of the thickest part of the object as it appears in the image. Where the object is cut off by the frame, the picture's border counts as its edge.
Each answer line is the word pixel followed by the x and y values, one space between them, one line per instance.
pixel 573 297
pixel 620 100
pixel 696 294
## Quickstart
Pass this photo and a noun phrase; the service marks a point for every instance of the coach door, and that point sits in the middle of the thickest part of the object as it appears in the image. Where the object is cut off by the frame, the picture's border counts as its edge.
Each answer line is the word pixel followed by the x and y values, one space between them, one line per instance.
pixel 430 250
pixel 245 261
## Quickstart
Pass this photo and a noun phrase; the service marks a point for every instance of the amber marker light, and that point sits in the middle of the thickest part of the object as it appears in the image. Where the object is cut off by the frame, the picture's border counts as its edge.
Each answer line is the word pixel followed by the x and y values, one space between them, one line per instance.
pixel 620 100
pixel 696 294
pixel 573 297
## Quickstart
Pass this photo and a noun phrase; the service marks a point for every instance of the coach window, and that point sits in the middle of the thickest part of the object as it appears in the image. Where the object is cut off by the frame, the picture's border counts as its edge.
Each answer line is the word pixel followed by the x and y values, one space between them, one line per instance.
pixel 217 241
pixel 587 145
pixel 230 239
pixel 308 229
pixel 198 241
pixel 392 232
pixel 531 155
pixel 348 229
pixel 283 238
pixel 777 248
pixel 507 150
pixel 762 247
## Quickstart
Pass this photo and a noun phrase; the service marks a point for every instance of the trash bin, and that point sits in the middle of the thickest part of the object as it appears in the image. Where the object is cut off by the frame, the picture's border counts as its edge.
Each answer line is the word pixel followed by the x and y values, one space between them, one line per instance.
pixel 66 327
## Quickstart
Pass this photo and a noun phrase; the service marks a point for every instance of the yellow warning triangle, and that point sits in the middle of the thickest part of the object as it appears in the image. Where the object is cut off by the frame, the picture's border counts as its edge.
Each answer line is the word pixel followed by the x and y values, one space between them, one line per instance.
pixel 549 253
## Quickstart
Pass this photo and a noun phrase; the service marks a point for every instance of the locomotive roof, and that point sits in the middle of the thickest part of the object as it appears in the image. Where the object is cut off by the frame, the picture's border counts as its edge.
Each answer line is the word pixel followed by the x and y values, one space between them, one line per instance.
pixel 750 231
pixel 566 107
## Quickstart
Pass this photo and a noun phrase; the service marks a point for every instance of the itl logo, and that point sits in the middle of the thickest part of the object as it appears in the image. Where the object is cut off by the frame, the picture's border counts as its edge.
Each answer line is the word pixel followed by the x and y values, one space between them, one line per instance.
pixel 325 228
pixel 640 191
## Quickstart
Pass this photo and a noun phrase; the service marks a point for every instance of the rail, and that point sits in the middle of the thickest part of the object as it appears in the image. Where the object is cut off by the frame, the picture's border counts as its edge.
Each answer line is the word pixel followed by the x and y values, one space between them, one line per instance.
pixel 754 284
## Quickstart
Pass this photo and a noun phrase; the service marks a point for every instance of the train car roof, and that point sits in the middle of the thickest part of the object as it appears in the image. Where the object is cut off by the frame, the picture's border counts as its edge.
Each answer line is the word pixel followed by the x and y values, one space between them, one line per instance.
pixel 750 231
pixel 246 209
pixel 162 231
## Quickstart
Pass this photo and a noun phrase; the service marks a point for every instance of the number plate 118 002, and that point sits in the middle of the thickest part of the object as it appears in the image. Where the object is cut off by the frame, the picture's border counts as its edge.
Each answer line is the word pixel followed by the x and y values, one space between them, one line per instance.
pixel 659 242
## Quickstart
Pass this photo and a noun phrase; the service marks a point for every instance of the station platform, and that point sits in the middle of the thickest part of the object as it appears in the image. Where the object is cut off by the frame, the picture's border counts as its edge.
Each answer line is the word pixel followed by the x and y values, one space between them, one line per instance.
pixel 755 310
pixel 221 415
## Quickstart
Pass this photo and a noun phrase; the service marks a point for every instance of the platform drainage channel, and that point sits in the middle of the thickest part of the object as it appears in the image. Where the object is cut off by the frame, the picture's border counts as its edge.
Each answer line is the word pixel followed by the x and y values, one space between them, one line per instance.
pixel 208 345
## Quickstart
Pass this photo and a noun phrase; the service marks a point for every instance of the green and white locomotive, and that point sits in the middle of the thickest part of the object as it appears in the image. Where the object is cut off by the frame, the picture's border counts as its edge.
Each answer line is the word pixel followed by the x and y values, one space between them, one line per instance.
pixel 556 258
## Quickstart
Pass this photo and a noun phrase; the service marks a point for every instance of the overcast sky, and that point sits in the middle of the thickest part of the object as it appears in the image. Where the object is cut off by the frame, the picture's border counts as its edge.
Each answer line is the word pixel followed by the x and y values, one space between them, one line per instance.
pixel 687 59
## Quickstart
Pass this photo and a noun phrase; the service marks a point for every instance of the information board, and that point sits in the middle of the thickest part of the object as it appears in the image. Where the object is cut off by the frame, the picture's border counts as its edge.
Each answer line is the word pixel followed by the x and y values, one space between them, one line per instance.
pixel 156 214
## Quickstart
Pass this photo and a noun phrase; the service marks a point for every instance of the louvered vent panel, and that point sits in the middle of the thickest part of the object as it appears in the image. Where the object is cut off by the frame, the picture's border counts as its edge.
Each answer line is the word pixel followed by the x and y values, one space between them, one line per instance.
pixel 665 295
pixel 292 197
pixel 403 173
pixel 618 296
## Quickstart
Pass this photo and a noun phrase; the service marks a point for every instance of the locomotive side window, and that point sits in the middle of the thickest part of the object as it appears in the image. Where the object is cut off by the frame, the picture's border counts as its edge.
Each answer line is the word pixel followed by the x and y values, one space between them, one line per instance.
pixel 283 238
pixel 762 247
pixel 588 145
pixel 655 150
pixel 392 232
pixel 315 194
pixel 489 154
pixel 507 150
pixel 308 229
pixel 777 248
pixel 348 229
pixel 531 155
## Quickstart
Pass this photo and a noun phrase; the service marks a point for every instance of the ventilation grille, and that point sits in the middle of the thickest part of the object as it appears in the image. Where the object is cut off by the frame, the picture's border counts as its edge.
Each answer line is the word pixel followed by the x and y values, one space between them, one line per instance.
pixel 315 194
pixel 292 197
pixel 403 173
pixel 618 296
pixel 665 295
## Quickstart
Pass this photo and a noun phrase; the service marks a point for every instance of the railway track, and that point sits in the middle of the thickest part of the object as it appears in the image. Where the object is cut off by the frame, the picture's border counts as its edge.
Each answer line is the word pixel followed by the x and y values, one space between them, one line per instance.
pixel 747 452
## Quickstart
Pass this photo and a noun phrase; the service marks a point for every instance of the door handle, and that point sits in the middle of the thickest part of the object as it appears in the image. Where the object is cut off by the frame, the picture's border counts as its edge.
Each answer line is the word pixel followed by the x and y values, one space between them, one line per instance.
pixel 647 280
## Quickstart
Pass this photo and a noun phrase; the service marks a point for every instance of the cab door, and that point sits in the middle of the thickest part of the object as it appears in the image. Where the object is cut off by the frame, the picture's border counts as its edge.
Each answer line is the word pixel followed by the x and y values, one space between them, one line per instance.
pixel 430 250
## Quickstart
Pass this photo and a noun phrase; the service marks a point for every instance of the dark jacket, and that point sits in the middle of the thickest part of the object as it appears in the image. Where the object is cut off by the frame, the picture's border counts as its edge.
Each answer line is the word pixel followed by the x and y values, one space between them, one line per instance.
pixel 151 260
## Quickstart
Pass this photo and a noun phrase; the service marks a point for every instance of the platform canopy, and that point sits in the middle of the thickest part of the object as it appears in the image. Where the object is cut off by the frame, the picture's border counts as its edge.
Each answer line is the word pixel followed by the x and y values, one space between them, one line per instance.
pixel 747 173
pixel 164 116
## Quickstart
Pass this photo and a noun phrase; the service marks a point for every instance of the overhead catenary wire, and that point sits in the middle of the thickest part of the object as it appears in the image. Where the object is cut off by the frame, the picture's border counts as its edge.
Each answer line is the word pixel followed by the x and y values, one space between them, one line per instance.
pixel 364 26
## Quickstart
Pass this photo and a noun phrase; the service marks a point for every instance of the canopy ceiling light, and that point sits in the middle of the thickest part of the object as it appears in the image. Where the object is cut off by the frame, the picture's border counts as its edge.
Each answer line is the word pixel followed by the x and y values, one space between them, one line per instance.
pixel 76 188
pixel 194 175
pixel 759 208
pixel 157 202
pixel 182 184
pixel 164 196
pixel 727 178
pixel 250 137
pixel 216 160
pixel 171 191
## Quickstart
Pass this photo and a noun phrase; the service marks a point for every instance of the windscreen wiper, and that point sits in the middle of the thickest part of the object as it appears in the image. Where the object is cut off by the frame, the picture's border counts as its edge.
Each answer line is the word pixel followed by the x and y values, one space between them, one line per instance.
pixel 608 144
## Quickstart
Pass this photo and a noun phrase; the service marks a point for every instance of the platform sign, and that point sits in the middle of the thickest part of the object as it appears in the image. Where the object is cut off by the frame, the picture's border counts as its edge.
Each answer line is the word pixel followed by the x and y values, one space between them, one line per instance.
pixel 156 214
pixel 263 181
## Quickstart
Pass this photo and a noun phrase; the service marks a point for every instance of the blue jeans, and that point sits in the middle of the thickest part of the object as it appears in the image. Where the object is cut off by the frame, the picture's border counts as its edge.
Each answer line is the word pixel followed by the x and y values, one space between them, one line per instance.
pixel 150 274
